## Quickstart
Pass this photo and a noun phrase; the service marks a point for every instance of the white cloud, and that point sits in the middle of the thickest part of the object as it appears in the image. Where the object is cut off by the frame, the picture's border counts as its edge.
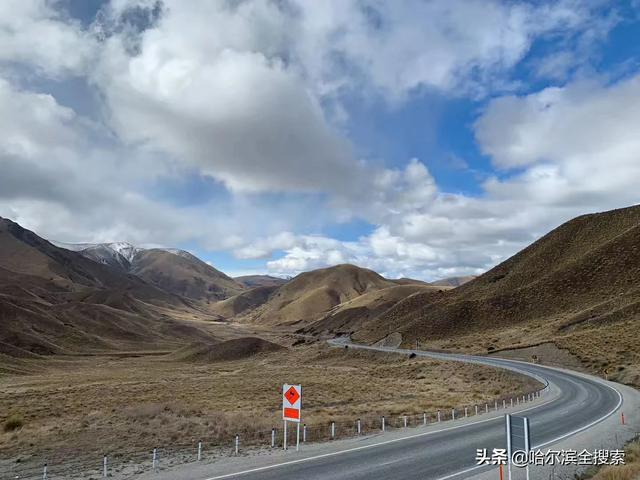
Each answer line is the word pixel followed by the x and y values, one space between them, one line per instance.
pixel 581 144
pixel 236 89
pixel 34 33
pixel 263 248
pixel 209 85
pixel 59 181
pixel 252 94
pixel 396 47
pixel 573 150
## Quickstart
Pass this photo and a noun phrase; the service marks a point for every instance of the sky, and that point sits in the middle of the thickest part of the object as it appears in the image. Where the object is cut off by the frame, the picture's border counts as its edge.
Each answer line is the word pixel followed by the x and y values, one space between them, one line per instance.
pixel 422 139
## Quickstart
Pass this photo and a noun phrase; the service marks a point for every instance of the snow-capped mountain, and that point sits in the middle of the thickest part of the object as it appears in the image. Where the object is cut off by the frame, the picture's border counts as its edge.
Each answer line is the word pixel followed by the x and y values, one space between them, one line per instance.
pixel 115 254
pixel 118 253
pixel 125 249
pixel 171 269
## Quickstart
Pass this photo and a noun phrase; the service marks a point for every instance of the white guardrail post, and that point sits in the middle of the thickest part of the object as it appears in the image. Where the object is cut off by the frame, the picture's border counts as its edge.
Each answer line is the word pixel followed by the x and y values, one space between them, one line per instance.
pixel 359 427
pixel 44 472
pixel 200 450
pixel 273 438
pixel 237 443
pixel 104 466
pixel 383 423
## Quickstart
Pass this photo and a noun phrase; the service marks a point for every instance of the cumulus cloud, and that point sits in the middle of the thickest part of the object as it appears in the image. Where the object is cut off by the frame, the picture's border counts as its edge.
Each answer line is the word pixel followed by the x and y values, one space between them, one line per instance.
pixel 571 150
pixel 61 179
pixel 397 47
pixel 580 143
pixel 253 95
pixel 36 35
pixel 237 89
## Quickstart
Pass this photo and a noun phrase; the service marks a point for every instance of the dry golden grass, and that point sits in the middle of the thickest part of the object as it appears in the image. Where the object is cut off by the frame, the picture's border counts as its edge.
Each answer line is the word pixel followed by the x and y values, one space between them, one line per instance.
pixel 124 404
pixel 611 351
pixel 629 471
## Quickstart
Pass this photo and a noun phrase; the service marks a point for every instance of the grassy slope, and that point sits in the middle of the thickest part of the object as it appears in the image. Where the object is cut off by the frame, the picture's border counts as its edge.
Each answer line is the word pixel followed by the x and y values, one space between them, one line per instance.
pixel 310 295
pixel 56 301
pixel 577 286
pixel 184 275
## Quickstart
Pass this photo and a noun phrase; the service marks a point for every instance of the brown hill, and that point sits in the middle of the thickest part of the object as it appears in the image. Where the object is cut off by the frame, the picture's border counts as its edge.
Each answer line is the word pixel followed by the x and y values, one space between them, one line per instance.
pixel 184 275
pixel 453 281
pixel 234 349
pixel 53 300
pixel 22 251
pixel 175 271
pixel 309 295
pixel 348 317
pixel 408 281
pixel 243 302
pixel 253 281
pixel 577 287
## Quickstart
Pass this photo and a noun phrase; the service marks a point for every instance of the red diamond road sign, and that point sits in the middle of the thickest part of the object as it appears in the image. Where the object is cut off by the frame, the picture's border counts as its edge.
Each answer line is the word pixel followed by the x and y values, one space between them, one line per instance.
pixel 291 402
pixel 292 395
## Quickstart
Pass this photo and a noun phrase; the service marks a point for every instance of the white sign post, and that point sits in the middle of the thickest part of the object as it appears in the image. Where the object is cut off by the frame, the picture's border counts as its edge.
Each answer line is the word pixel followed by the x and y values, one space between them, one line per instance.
pixel 291 409
pixel 518 438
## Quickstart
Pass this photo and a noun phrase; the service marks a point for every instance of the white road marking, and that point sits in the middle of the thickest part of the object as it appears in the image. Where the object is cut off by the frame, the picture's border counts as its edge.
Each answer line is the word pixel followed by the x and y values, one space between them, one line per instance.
pixel 364 447
pixel 389 463
pixel 387 442
pixel 557 439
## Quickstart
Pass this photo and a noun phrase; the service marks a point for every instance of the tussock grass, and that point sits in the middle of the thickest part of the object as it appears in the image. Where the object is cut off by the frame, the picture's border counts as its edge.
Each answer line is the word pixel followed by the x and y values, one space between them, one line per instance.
pixel 14 422
pixel 118 405
pixel 629 471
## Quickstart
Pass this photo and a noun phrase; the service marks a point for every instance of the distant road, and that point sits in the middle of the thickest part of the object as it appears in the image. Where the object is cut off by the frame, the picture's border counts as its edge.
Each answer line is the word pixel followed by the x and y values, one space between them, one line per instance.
pixel 575 404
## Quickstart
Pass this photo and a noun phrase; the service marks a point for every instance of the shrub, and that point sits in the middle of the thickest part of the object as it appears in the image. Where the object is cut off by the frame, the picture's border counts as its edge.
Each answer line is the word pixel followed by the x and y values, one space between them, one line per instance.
pixel 12 423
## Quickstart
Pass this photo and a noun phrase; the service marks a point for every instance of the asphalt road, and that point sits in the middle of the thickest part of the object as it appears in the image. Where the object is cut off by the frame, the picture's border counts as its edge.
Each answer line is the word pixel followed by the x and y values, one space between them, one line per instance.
pixel 450 453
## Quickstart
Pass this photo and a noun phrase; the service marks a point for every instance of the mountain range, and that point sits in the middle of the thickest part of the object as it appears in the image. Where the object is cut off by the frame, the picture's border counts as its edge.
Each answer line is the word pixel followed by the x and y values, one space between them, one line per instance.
pixel 54 300
pixel 576 290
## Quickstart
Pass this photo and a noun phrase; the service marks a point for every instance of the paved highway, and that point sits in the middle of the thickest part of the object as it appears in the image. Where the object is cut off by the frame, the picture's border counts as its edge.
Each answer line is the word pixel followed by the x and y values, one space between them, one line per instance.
pixel 575 403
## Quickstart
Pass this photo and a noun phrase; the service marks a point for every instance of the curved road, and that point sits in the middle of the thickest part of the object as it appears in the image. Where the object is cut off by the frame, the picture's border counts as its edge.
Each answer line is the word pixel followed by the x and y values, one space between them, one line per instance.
pixel 574 404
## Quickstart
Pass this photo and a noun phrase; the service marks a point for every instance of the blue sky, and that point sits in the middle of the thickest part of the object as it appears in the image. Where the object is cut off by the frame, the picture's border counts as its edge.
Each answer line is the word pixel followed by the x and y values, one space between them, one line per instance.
pixel 418 138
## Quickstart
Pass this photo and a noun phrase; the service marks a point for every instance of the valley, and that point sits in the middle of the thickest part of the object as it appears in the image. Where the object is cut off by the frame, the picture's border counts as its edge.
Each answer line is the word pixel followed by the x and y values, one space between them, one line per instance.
pixel 130 403
pixel 157 348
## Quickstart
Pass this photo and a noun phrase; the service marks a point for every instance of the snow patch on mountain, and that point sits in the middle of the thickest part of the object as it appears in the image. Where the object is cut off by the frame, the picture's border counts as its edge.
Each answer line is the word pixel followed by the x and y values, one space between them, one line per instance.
pixel 74 247
pixel 115 253
pixel 125 249
pixel 180 253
